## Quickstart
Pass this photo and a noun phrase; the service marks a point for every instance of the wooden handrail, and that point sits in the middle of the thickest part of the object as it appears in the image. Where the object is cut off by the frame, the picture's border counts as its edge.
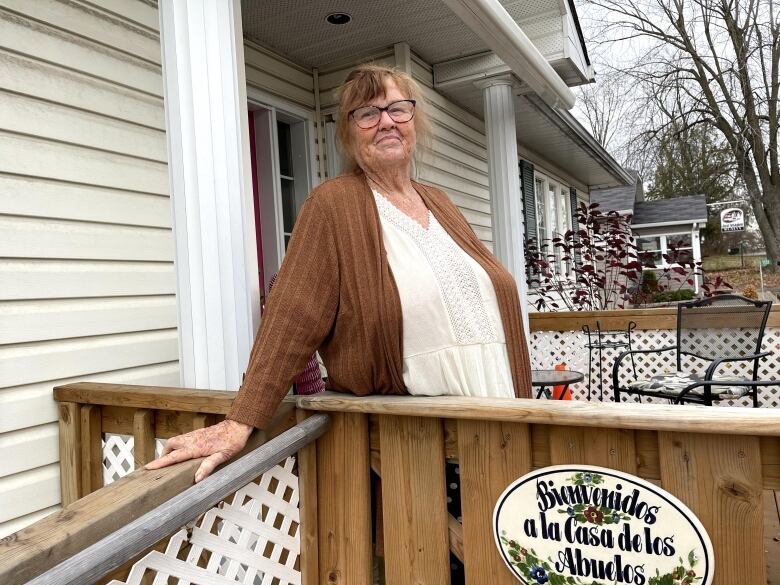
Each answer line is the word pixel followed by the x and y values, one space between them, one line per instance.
pixel 120 546
pixel 156 397
pixel 658 318
pixel 656 417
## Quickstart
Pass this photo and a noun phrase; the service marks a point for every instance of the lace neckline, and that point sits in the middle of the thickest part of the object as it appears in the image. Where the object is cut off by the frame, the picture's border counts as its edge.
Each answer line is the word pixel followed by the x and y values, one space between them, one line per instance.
pixel 398 217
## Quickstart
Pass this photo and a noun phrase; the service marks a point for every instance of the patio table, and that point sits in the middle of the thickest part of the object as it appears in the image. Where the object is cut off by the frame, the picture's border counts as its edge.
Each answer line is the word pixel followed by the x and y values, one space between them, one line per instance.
pixel 543 379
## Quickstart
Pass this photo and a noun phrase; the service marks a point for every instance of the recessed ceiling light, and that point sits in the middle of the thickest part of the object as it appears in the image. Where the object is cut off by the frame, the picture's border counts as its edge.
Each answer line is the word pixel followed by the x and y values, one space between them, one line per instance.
pixel 338 18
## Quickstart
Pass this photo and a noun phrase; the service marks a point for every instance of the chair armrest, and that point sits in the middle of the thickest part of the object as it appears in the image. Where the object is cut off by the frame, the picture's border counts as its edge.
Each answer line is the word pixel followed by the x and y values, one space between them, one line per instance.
pixel 623 355
pixel 716 363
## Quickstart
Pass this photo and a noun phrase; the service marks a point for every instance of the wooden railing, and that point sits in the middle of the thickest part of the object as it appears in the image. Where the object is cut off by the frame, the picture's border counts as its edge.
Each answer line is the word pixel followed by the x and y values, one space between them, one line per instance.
pixel 130 540
pixel 719 462
pixel 88 410
pixel 658 318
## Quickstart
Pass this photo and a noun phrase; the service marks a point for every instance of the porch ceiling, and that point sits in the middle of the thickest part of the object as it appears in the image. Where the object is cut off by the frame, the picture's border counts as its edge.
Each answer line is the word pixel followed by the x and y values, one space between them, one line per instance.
pixel 298 30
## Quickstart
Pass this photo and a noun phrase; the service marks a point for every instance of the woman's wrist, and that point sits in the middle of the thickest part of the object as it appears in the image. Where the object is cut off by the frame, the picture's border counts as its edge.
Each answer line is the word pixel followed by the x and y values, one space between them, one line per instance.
pixel 239 428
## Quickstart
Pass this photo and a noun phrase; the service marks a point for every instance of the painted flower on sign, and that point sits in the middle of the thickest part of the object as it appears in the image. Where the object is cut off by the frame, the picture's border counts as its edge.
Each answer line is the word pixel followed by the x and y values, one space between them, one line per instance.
pixel 593 514
pixel 539 574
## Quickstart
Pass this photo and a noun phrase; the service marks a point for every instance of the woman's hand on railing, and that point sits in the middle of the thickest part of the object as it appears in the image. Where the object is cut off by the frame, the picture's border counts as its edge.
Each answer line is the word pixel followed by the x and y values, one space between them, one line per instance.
pixel 216 443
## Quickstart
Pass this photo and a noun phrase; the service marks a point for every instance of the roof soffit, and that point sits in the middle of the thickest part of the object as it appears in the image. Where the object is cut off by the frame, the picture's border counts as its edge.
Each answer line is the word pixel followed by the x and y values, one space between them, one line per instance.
pixel 298 30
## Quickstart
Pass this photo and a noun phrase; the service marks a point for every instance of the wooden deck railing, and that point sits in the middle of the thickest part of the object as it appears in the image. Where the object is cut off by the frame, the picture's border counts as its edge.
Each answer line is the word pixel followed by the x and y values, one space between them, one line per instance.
pixel 658 318
pixel 130 540
pixel 88 410
pixel 717 461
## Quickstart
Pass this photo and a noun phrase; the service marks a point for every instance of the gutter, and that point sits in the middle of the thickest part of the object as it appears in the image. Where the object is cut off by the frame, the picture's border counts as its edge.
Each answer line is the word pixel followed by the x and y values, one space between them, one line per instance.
pixel 490 21
pixel 667 223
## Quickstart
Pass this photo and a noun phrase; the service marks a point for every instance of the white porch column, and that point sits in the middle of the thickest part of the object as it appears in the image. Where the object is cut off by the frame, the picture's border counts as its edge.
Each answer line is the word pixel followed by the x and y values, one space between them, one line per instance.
pixel 504 178
pixel 217 293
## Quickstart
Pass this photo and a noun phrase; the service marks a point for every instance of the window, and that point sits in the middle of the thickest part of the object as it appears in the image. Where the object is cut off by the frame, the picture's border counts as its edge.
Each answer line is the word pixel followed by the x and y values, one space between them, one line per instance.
pixel 293 180
pixel 553 217
pixel 684 245
pixel 651 249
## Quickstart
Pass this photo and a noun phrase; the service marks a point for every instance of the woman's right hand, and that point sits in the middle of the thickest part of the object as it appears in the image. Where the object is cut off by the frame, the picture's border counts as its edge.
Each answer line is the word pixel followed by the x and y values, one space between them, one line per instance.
pixel 216 443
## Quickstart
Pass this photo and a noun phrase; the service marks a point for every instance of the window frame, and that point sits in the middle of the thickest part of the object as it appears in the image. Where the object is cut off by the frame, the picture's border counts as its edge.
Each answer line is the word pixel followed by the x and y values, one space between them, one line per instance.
pixel 663 241
pixel 557 221
pixel 268 110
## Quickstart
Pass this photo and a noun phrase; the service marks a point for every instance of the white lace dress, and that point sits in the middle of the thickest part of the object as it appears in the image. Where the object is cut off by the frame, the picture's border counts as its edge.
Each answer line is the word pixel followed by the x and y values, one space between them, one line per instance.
pixel 453 338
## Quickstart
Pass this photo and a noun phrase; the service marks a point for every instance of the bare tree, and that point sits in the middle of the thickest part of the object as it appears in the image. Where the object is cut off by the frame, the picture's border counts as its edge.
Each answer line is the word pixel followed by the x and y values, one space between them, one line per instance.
pixel 616 119
pixel 716 63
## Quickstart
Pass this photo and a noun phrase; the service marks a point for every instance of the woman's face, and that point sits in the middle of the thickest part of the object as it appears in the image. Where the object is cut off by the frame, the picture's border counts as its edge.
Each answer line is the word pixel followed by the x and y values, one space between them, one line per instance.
pixel 389 144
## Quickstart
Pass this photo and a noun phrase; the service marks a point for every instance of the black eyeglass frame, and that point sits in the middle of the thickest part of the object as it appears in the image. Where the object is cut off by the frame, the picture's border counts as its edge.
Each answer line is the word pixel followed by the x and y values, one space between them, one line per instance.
pixel 385 109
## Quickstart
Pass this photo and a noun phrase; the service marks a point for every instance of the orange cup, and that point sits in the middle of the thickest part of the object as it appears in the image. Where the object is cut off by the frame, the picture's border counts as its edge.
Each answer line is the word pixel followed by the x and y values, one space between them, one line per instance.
pixel 558 390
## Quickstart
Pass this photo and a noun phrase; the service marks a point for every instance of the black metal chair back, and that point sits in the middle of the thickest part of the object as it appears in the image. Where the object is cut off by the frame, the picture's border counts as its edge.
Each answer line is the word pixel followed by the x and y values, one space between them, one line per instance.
pixel 737 321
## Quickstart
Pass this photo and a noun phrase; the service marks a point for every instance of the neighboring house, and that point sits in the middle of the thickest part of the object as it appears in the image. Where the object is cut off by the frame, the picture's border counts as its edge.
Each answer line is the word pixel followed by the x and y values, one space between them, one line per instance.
pixel 90 155
pixel 658 224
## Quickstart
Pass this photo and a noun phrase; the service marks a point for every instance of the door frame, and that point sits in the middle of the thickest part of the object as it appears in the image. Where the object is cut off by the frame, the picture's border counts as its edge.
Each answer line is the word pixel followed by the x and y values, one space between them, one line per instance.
pixel 265 108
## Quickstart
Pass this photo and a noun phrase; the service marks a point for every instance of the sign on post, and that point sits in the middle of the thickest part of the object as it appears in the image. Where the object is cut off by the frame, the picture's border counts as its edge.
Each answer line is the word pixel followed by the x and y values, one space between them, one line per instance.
pixel 590 525
pixel 732 220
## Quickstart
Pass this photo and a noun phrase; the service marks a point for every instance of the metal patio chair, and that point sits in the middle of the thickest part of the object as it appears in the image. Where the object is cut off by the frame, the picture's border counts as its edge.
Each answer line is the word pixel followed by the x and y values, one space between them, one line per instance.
pixel 720 329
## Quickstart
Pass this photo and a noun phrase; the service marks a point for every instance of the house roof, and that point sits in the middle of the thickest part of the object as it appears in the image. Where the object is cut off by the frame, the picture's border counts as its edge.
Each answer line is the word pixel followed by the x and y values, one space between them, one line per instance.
pixel 678 210
pixel 621 198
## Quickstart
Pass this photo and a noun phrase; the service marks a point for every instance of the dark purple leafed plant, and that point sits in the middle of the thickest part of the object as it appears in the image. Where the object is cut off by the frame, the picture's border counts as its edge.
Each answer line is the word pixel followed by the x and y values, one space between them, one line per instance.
pixel 599 267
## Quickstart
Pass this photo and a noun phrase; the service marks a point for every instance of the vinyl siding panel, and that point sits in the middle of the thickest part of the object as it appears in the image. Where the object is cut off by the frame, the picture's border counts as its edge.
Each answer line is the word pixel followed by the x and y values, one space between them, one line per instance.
pixel 30 405
pixel 270 73
pixel 29 491
pixel 457 162
pixel 28 448
pixel 87 284
pixel 28 280
pixel 12 526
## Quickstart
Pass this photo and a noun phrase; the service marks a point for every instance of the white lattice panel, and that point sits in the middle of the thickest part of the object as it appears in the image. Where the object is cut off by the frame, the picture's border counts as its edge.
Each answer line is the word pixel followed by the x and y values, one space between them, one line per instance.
pixel 549 348
pixel 117 457
pixel 253 539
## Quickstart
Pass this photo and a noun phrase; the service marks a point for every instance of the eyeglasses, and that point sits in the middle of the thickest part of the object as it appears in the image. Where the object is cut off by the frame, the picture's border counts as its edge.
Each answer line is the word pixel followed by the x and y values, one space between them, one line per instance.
pixel 368 116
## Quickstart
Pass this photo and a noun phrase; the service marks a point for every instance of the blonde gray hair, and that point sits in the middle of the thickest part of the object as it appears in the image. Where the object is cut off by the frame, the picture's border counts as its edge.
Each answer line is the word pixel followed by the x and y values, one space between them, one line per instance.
pixel 364 84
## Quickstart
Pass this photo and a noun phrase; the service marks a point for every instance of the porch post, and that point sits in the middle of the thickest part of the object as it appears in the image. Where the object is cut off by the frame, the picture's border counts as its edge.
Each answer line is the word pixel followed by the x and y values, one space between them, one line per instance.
pixel 504 178
pixel 217 295
pixel 696 250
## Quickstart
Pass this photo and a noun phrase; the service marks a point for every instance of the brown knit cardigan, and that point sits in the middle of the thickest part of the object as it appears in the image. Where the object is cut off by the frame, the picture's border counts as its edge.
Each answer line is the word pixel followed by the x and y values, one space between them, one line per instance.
pixel 336 293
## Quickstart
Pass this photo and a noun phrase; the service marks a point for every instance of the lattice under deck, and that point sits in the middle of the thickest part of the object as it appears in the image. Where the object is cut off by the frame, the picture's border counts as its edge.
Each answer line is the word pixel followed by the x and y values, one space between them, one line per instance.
pixel 253 540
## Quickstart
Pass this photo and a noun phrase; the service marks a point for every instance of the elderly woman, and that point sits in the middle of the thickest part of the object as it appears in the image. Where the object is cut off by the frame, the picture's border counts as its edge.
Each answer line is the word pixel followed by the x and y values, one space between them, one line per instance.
pixel 384 276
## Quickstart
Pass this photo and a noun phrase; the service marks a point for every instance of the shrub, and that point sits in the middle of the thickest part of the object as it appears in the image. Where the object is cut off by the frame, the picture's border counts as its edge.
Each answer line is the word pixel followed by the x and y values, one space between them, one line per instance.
pixel 605 267
pixel 649 281
pixel 671 296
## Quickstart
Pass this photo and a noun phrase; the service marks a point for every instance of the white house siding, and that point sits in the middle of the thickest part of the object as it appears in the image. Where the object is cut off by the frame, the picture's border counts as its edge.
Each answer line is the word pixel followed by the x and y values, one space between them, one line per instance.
pixel 457 161
pixel 86 251
pixel 271 74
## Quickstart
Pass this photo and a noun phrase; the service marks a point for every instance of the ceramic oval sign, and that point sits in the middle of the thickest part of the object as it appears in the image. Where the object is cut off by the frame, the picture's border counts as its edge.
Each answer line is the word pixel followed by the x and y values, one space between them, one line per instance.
pixel 583 525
